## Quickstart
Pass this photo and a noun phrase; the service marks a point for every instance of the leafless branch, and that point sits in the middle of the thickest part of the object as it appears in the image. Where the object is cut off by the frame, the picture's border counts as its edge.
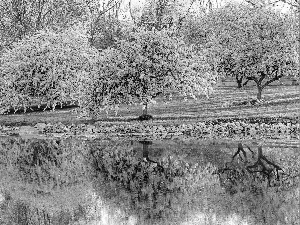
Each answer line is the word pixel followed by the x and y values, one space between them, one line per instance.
pixel 101 13
pixel 130 11
pixel 187 12
pixel 41 5
pixel 88 4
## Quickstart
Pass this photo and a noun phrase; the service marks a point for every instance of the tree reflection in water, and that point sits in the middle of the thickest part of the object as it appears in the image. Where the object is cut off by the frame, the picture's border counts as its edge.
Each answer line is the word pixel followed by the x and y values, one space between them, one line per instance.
pixel 254 186
pixel 74 182
pixel 42 181
pixel 251 171
pixel 156 191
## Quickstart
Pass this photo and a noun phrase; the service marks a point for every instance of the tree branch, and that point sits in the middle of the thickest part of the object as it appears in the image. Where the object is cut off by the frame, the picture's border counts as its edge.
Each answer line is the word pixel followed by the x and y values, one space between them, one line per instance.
pixel 183 17
pixel 130 11
pixel 272 80
pixel 253 78
pixel 106 10
pixel 262 77
pixel 101 13
pixel 156 94
pixel 38 22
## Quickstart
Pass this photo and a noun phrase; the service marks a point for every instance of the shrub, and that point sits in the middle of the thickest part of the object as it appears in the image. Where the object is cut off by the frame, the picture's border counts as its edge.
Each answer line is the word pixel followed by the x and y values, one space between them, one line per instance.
pixel 46 68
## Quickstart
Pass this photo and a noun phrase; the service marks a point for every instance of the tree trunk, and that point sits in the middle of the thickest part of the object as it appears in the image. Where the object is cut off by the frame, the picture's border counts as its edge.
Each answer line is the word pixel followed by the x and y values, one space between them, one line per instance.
pixel 295 82
pixel 239 85
pixel 245 83
pixel 145 109
pixel 146 149
pixel 259 91
pixel 239 81
pixel 145 115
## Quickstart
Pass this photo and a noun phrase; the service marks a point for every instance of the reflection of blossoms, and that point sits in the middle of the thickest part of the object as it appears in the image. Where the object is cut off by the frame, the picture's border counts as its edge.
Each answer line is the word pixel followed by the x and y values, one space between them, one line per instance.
pixel 45 185
pixel 158 191
pixel 146 65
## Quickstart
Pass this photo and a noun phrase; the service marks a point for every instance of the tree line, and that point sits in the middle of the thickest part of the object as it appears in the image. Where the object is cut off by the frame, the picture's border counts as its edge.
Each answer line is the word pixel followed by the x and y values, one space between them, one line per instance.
pixel 81 50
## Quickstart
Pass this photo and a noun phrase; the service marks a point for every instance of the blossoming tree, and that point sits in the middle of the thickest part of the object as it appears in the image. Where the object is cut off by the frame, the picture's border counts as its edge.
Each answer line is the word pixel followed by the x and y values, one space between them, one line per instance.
pixel 252 44
pixel 45 68
pixel 146 65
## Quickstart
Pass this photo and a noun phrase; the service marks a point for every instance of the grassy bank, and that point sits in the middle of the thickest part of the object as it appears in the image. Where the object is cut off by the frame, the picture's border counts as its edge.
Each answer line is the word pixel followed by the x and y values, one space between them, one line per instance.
pixel 279 101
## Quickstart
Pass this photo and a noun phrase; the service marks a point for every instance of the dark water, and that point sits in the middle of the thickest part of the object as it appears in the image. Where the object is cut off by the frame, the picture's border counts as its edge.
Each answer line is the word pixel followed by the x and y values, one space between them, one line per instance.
pixel 179 181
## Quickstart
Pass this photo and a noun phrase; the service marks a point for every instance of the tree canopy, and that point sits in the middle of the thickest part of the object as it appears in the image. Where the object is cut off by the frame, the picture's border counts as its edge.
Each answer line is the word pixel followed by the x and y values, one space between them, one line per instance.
pixel 251 43
pixel 46 67
pixel 145 65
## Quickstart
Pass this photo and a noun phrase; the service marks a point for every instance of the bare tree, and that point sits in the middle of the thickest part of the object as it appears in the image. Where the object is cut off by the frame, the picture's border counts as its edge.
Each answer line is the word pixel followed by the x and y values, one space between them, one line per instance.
pixel 19 18
pixel 167 13
pixel 103 21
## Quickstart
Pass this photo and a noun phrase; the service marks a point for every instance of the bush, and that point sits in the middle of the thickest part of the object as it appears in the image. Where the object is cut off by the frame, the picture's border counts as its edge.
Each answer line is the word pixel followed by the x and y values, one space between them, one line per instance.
pixel 44 68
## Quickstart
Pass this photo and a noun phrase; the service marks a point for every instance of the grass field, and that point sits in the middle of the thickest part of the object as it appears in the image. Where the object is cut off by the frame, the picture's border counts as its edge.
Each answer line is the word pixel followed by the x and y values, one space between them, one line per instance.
pixel 279 100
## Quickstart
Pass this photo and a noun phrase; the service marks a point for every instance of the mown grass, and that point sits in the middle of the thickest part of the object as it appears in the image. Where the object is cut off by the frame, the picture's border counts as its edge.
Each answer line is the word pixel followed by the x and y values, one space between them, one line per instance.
pixel 282 101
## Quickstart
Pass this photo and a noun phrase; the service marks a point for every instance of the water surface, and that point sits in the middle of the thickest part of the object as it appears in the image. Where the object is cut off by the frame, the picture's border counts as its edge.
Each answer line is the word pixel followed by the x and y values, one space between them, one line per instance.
pixel 178 181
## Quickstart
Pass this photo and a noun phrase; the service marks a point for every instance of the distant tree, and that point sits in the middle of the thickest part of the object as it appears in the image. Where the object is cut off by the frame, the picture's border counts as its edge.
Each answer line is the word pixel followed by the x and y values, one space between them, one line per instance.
pixel 262 3
pixel 19 18
pixel 104 25
pixel 162 14
pixel 250 44
pixel 44 68
pixel 293 4
pixel 292 12
pixel 146 65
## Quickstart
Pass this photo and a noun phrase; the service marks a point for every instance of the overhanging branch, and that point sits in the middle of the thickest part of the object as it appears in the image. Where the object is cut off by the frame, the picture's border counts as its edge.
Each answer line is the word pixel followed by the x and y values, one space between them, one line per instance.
pixel 277 77
pixel 253 78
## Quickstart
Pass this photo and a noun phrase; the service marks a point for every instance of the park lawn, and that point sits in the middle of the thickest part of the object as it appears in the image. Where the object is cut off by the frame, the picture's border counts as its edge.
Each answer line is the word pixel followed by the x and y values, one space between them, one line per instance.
pixel 281 101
